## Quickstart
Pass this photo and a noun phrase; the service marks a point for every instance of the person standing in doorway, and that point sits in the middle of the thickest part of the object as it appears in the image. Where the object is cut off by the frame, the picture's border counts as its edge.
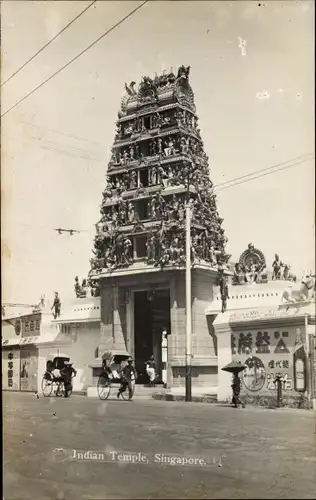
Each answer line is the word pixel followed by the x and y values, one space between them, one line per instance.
pixel 151 370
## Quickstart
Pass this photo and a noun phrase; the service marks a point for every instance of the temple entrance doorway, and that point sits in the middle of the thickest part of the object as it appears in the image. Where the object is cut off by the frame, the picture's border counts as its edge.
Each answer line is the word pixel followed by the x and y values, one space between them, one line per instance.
pixel 151 317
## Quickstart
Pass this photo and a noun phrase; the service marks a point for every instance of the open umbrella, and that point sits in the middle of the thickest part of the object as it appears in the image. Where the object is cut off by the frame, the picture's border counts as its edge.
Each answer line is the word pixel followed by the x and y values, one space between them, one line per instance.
pixel 234 367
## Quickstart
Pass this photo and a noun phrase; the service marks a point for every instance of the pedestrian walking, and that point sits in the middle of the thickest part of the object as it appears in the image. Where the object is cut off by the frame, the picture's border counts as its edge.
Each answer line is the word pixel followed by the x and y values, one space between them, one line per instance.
pixel 151 370
pixel 236 385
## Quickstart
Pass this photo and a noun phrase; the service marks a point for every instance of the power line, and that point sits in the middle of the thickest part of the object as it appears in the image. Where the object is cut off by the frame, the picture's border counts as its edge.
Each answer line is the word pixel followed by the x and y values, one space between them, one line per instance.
pixel 48 43
pixel 265 169
pixel 76 57
pixel 245 178
pixel 264 174
pixel 61 133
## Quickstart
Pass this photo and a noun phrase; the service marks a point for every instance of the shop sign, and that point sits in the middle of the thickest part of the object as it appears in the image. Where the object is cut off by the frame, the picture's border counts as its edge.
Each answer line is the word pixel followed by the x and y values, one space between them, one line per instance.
pixel 31 325
pixel 11 370
pixel 268 353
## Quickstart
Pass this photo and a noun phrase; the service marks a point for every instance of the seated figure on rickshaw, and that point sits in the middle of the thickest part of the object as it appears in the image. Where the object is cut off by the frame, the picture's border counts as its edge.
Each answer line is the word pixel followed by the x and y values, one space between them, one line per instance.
pixel 59 371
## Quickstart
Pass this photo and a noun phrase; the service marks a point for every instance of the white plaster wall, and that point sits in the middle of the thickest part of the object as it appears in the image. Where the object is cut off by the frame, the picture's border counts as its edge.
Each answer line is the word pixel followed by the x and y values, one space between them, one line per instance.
pixel 83 354
pixel 224 357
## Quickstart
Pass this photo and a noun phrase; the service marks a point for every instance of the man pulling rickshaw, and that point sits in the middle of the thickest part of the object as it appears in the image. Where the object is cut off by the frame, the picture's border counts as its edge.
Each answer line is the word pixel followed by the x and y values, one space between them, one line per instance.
pixel 117 369
pixel 128 376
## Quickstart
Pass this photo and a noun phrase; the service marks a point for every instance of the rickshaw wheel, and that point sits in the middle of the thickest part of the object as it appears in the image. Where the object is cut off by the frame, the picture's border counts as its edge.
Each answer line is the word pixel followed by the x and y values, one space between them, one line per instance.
pixel 47 387
pixel 60 389
pixel 127 395
pixel 104 387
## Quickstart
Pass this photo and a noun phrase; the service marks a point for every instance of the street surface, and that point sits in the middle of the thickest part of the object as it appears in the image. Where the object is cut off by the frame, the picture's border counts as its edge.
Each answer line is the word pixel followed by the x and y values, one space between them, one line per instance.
pixel 217 452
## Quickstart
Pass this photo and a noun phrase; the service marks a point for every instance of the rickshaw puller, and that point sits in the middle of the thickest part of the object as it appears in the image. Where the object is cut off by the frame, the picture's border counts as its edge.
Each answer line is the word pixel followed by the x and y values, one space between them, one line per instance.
pixel 126 377
pixel 66 374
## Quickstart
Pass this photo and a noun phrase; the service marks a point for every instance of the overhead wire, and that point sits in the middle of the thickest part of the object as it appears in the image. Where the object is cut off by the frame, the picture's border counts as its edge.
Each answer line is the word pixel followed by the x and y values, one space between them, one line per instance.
pixel 48 43
pixel 275 170
pixel 76 57
pixel 265 169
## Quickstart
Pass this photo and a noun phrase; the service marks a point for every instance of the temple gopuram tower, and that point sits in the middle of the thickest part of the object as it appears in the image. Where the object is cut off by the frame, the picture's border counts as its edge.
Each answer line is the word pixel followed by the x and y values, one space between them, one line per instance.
pixel 158 164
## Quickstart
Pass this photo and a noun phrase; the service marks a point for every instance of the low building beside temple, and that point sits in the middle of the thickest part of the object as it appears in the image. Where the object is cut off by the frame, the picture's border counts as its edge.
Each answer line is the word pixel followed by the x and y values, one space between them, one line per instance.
pixel 28 341
pixel 24 338
pixel 268 333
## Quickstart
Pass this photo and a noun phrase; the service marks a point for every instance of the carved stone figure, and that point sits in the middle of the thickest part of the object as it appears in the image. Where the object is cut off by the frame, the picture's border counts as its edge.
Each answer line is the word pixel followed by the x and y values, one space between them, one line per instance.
pixel 131 212
pixel 165 258
pixel 175 250
pixel 127 248
pixel 277 266
pixel 181 212
pixel 170 177
pixel 131 153
pixel 184 144
pixel 154 176
pixel 152 208
pixel 300 292
pixel 130 89
pixel 239 277
pixel 151 248
pixel 159 144
pixel 223 286
pixel 78 289
pixel 133 179
pixel 287 275
pixel 153 148
pixel 162 176
pixel 56 306
pixel 169 147
pixel 125 156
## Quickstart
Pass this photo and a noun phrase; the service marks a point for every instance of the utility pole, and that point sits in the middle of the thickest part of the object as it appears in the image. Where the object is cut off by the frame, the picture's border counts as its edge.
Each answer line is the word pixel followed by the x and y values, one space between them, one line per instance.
pixel 188 310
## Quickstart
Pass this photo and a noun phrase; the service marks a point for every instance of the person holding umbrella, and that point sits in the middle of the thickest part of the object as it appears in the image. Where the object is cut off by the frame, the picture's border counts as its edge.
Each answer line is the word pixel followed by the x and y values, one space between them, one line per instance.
pixel 236 385
pixel 235 367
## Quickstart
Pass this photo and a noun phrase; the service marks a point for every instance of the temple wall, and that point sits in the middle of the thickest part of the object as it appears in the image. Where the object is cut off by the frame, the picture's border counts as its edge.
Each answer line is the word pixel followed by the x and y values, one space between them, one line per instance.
pixel 117 304
pixel 204 360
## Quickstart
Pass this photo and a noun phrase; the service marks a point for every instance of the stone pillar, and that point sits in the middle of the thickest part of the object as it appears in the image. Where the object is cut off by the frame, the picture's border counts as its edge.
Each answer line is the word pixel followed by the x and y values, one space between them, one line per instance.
pixel 106 330
pixel 117 318
pixel 224 381
pixel 130 344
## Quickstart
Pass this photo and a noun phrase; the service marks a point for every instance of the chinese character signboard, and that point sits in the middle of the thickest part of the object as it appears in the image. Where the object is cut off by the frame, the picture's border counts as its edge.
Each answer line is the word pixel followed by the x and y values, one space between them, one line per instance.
pixel 11 370
pixel 269 352
pixel 31 325
pixel 28 369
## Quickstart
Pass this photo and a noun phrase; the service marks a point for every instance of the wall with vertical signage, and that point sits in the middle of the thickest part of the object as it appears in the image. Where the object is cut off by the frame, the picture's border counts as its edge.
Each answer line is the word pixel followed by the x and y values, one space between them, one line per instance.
pixel 269 352
pixel 11 370
pixel 28 369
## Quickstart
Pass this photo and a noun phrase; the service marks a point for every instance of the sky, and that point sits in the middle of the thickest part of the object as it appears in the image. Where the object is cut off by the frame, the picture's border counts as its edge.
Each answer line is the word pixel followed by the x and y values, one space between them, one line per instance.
pixel 252 72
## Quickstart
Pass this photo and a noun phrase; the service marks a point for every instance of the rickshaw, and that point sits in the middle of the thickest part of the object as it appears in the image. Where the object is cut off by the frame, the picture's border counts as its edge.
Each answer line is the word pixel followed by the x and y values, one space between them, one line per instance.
pixel 112 361
pixel 49 381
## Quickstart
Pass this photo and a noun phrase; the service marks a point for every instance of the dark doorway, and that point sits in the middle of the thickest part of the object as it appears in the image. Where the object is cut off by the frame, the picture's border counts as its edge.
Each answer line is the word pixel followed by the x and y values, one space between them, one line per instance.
pixel 151 316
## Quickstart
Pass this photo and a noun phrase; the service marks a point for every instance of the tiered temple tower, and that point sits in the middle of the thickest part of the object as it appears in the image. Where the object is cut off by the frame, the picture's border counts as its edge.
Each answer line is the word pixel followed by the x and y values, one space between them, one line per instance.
pixel 158 164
